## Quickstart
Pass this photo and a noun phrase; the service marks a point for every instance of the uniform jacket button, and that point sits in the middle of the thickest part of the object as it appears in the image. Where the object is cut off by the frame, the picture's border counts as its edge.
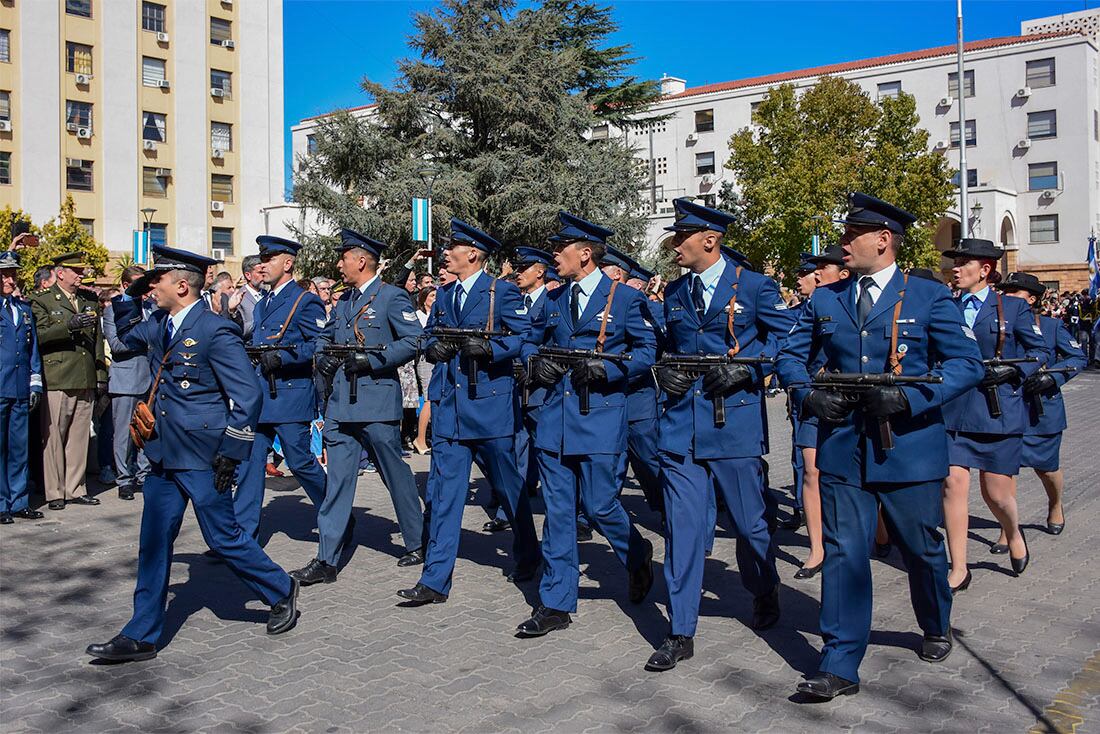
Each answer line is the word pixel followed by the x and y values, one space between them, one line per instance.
pixel 863 359
pixel 863 333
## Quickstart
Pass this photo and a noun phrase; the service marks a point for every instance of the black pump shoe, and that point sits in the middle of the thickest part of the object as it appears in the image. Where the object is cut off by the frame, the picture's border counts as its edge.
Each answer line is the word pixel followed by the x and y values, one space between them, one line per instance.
pixel 1019 564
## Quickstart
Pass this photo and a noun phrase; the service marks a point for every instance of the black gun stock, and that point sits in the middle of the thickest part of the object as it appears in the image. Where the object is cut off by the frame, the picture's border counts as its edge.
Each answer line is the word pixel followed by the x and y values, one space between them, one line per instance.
pixel 1037 398
pixel 992 400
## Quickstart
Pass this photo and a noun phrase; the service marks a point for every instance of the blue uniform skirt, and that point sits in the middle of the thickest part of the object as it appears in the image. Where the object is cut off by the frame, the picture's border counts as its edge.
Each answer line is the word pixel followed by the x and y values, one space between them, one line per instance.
pixel 986 451
pixel 1041 452
pixel 805 435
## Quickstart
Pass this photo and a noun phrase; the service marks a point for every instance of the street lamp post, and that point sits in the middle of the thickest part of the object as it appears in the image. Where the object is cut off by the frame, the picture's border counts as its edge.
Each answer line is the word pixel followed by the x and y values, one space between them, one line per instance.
pixel 147 213
pixel 429 172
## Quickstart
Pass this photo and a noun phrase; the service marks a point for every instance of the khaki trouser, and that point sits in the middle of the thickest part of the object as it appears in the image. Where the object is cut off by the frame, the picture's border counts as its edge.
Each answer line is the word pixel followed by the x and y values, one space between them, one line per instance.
pixel 66 425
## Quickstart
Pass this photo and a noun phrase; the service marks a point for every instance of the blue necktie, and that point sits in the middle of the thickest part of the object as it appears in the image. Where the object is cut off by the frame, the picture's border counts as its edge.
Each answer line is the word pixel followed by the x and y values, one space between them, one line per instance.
pixel 459 299
pixel 970 311
pixel 865 302
pixel 169 331
pixel 697 298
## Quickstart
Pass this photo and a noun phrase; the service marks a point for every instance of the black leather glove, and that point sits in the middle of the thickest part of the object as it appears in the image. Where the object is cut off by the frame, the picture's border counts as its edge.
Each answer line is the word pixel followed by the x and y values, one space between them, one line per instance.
pixel 33 400
pixel 519 372
pixel 546 371
pixel 440 351
pixel 1039 383
pixel 357 364
pixel 328 365
pixel 269 362
pixel 828 405
pixel 1000 374
pixel 589 372
pixel 885 400
pixel 726 379
pixel 674 382
pixel 81 321
pixel 477 348
pixel 225 472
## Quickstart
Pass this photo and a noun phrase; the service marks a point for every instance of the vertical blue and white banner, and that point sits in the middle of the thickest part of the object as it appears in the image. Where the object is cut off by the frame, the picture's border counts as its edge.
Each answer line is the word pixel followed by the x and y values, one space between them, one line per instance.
pixel 420 228
pixel 1094 269
pixel 141 247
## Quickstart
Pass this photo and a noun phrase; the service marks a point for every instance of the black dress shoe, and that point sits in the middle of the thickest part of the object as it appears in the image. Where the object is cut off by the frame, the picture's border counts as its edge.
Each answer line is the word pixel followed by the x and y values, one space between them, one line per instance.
pixel 28 514
pixel 520 575
pixel 315 572
pixel 126 493
pixel 544 620
pixel 765 610
pixel 674 649
pixel 6 518
pixel 123 649
pixel 412 558
pixel 964 584
pixel 935 648
pixel 420 595
pixel 808 572
pixel 584 533
pixel 882 550
pixel 57 504
pixel 85 500
pixel 284 613
pixel 641 578
pixel 826 687
pixel 496 525
pixel 795 521
pixel 1019 564
pixel 998 549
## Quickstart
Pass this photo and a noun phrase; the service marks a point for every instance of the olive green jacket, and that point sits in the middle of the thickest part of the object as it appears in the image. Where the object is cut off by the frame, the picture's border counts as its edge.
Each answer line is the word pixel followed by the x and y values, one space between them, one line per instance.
pixel 70 361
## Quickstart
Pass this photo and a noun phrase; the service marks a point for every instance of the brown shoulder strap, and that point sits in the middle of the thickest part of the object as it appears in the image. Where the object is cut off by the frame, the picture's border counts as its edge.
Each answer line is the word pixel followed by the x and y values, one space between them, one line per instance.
pixel 359 337
pixel 894 361
pixel 732 307
pixel 156 380
pixel 289 316
pixel 1000 327
pixel 603 317
pixel 492 304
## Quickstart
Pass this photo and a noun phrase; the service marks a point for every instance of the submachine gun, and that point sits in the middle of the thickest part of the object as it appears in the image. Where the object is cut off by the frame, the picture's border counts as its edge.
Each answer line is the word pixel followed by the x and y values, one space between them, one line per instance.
pixel 343 351
pixel 852 385
pixel 992 400
pixel 256 353
pixel 572 357
pixel 697 365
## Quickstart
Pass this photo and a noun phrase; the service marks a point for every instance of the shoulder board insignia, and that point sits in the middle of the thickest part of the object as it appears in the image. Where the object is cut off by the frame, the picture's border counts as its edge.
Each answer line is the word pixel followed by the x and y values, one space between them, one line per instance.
pixel 408 315
pixel 1073 343
pixel 1036 330
pixel 320 323
pixel 778 307
pixel 968 332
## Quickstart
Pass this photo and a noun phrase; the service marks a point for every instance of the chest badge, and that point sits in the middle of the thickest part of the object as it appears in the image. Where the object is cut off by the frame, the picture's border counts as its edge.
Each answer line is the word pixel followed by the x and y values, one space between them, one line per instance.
pixel 189 342
pixel 187 355
pixel 185 384
pixel 903 348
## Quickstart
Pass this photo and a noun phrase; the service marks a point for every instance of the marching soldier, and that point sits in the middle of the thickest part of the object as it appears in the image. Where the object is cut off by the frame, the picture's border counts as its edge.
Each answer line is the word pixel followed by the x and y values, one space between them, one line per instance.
pixel 473 409
pixel 1043 398
pixel 20 391
pixel 377 322
pixel 986 424
pixel 203 407
pixel 71 345
pixel 880 322
pixel 285 316
pixel 718 309
pixel 805 282
pixel 579 445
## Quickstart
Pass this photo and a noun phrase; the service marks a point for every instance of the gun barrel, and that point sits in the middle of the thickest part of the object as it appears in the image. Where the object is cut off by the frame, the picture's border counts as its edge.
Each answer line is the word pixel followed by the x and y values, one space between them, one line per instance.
pixel 870 379
pixel 1010 360
pixel 565 354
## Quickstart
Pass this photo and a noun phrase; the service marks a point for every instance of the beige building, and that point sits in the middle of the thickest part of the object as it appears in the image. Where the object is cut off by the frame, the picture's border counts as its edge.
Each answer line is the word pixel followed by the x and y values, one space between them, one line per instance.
pixel 173 107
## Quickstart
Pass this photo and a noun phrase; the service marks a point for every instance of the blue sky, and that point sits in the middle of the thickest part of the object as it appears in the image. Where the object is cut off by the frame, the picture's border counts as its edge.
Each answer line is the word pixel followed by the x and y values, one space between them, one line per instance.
pixel 330 45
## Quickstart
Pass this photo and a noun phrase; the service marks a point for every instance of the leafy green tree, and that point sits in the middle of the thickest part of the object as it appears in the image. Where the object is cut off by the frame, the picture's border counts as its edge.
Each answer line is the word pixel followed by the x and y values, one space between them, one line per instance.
pixel 59 235
pixel 795 167
pixel 500 100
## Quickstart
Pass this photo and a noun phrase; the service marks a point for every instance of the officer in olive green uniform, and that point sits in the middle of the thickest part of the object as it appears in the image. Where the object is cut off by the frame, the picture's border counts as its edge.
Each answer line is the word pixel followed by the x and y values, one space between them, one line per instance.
pixel 70 340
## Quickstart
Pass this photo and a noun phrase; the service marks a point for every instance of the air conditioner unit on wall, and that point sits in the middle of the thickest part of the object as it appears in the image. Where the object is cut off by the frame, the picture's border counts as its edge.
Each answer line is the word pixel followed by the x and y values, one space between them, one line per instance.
pixel 217 153
pixel 229 43
pixel 149 144
pixel 84 132
pixel 83 79
pixel 217 206
pixel 217 253
pixel 692 137
pixel 1048 195
pixel 164 84
pixel 1023 92
pixel 940 145
pixel 217 92
pixel 947 101
pixel 1024 144
pixel 708 179
pixel 165 172
pixel 5 126
pixel 73 162
pixel 162 37
pixel 71 127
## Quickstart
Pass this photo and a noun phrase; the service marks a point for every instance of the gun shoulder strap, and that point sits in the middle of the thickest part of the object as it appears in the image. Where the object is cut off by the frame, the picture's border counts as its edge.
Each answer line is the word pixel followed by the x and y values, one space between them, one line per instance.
pixel 893 364
pixel 156 379
pixel 732 308
pixel 603 317
pixel 289 316
pixel 1000 326
pixel 359 336
pixel 492 304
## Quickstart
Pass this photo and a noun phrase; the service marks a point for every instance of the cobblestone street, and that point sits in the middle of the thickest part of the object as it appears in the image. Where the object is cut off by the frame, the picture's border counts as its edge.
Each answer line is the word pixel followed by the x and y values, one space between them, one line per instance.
pixel 1027 654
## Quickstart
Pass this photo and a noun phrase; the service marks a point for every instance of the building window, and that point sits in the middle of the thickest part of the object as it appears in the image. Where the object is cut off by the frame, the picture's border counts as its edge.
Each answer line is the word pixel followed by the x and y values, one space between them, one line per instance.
pixel 5 168
pixel 971 178
pixel 1042 124
pixel 222 80
pixel 152 17
pixel 953 84
pixel 704 163
pixel 221 136
pixel 710 200
pixel 1042 176
pixel 78 175
pixel 78 113
pixel 752 110
pixel 1044 228
pixel 152 184
pixel 158 234
pixel 152 71
pixel 5 106
pixel 1040 73
pixel 704 121
pixel 154 126
pixel 889 89
pixel 78 58
pixel 600 132
pixel 221 188
pixel 221 240
pixel 89 226
pixel 83 8
pixel 220 30
pixel 5 45
pixel 311 145
pixel 971 134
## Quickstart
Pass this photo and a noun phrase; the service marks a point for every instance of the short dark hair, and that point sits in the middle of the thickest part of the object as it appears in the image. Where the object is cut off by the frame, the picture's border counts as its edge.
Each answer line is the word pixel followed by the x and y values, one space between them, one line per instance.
pixel 131 273
pixel 897 240
pixel 195 280
pixel 41 275
pixel 422 296
pixel 223 277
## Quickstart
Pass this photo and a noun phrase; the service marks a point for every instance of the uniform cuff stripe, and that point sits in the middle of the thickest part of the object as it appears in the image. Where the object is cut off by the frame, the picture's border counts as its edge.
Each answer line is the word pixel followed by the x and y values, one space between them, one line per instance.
pixel 241 434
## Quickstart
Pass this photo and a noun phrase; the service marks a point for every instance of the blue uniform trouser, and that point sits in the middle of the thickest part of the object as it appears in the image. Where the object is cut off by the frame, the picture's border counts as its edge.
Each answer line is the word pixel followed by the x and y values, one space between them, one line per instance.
pixel 913 514
pixel 526 464
pixel 594 478
pixel 344 443
pixel 165 496
pixel 14 437
pixel 641 455
pixel 451 462
pixel 294 438
pixel 797 463
pixel 689 482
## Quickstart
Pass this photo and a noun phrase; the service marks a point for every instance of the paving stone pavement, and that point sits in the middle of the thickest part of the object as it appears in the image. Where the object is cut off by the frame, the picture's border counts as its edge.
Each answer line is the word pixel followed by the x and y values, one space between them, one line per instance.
pixel 1027 654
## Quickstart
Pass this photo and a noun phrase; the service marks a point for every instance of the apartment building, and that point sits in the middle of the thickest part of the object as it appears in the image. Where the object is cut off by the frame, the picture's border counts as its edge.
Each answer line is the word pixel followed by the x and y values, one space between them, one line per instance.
pixel 163 115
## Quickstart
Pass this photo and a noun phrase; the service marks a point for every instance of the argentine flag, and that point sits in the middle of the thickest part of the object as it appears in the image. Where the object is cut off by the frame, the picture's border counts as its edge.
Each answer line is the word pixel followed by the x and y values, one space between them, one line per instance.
pixel 1094 271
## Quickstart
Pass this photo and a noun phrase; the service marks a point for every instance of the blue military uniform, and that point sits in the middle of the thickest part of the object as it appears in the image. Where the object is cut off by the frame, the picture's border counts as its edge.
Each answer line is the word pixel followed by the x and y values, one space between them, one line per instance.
pixel 373 314
pixel 20 377
pixel 526 427
pixel 581 453
pixel 803 430
pixel 699 458
pixel 286 315
pixel 856 473
pixel 206 405
pixel 474 414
